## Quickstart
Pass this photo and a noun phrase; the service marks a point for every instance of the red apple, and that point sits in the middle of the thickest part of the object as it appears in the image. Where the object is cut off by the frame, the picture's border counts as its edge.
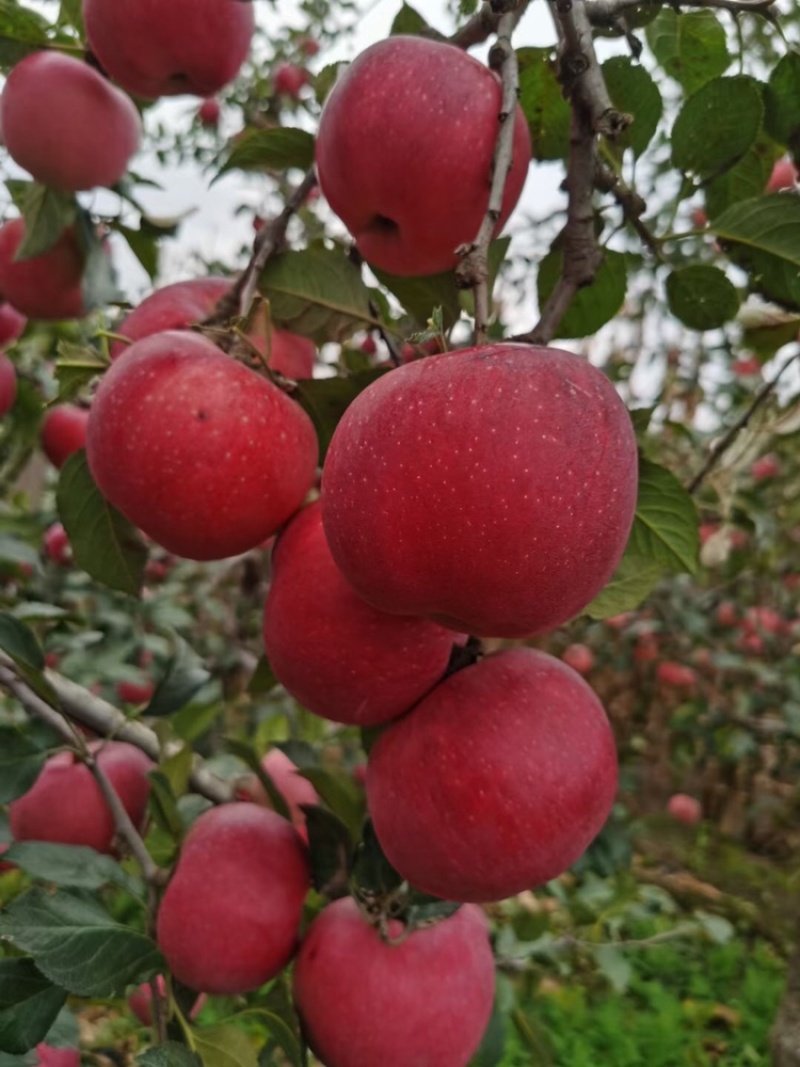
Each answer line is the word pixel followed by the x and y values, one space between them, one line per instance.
pixel 491 489
pixel 229 918
pixel 752 644
pixel 155 49
pixel 579 657
pixel 404 152
pixel 65 124
pixel 46 286
pixel 646 649
pixel 209 111
pixel 745 368
pixel 766 467
pixel 141 999
pixel 727 613
pixel 423 1000
pixel 763 620
pixel 65 804
pixel 368 346
pixel 336 655
pixel 56 544
pixel 685 809
pixel 289 79
pixel 294 789
pixel 63 432
pixel 4 847
pixel 135 692
pixel 58 1057
pixel 11 325
pixel 308 46
pixel 676 675
pixel 783 176
pixel 183 304
pixel 8 384
pixel 699 218
pixel 497 781
pixel 204 455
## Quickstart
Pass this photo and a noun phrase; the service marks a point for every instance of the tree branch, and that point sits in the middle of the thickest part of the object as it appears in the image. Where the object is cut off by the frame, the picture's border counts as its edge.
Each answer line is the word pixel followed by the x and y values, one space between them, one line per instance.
pixel 486 23
pixel 604 12
pixel 725 442
pixel 633 206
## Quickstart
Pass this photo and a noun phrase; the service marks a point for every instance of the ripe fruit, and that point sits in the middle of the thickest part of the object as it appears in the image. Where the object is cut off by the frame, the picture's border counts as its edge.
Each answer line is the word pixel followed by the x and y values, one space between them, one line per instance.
pixel 289 79
pixel 745 368
pixel 294 789
pixel 65 804
pixel 411 95
pixel 783 176
pixel 699 218
pixel 727 613
pixel 685 809
pixel 579 657
pixel 491 489
pixel 57 1057
pixel 154 49
pixel 4 846
pixel 142 997
pixel 425 1000
pixel 766 467
pixel 676 675
pixel 241 879
pixel 308 46
pixel 135 692
pixel 56 544
pixel 209 111
pixel 8 384
pixel 46 286
pixel 63 432
pixel 204 455
pixel 65 124
pixel 336 655
pixel 183 304
pixel 11 324
pixel 646 649
pixel 497 781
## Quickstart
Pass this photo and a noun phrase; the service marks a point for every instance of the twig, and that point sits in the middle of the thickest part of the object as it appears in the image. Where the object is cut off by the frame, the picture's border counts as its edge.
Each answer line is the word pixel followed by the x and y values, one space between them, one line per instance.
pixel 604 12
pixel 487 21
pixel 725 442
pixel 633 206
pixel 472 271
pixel 123 822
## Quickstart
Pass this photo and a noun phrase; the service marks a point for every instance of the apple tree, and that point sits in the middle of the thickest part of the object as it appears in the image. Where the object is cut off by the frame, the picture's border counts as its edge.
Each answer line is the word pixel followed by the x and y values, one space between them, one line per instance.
pixel 306 558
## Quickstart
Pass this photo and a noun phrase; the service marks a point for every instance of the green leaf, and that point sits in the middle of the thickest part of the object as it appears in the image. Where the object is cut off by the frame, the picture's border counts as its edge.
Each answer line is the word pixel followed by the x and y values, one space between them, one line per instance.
pixel 318 293
pixel 691 48
pixel 702 297
pixel 263 680
pixel 275 149
pixel 163 805
pixel 782 102
pixel 341 795
pixel 65 1032
pixel 419 296
pixel 280 1030
pixel 99 281
pixel 717 125
pixel 170 1054
pixel 493 1043
pixel 372 875
pixel 330 846
pixel 143 244
pixel 593 306
pixel 612 965
pixel 29 1005
pixel 665 527
pixel 542 100
pixel 21 760
pixel 746 179
pixel 327 399
pixel 225 1046
pixel 104 543
pixel 185 676
pixel 20 643
pixel 631 583
pixel 76 944
pixel 408 21
pixel 76 367
pixel 762 235
pixel 73 866
pixel 633 91
pixel 47 214
pixel 248 755
pixel 21 31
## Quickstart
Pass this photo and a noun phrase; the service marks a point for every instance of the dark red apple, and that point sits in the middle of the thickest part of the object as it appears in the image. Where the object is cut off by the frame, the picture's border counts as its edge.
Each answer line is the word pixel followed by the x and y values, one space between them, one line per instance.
pixel 424 1000
pixel 491 489
pixel 404 152
pixel 783 176
pixel 56 544
pixel 46 286
pixel 135 692
pixel 676 675
pixel 685 809
pixel 336 655
pixel 745 368
pixel 289 79
pixel 65 124
pixel 229 918
pixel 185 46
pixel 308 46
pixel 63 432
pixel 204 455
pixel 497 781
pixel 11 325
pixel 65 804
pixel 209 112
pixel 8 384
pixel 579 657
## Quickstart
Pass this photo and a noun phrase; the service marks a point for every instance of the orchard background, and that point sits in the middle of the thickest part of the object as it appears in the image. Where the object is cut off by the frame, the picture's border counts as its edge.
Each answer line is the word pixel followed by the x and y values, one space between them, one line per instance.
pixel 659 236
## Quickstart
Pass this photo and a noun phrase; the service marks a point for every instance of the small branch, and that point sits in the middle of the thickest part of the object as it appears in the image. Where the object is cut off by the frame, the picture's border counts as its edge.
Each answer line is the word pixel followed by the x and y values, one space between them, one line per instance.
pixel 486 23
pixel 725 442
pixel 123 823
pixel 633 206
pixel 604 12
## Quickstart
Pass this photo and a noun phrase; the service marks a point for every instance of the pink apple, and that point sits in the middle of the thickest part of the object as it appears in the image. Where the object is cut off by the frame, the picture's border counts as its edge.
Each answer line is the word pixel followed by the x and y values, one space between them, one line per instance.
pixel 293 787
pixel 783 176
pixel 765 467
pixel 336 655
pixel 209 112
pixel 141 1000
pixel 135 692
pixel 308 46
pixel 752 644
pixel 762 619
pixel 155 49
pixel 46 286
pixel 8 384
pixel 56 544
pixel 685 809
pixel 183 304
pixel 424 1000
pixel 491 489
pixel 289 79
pixel 579 657
pixel 744 368
pixel 727 613
pixel 204 455
pixel 65 804
pixel 63 432
pixel 497 781
pixel 11 325
pixel 241 880
pixel 58 1057
pixel 65 124
pixel 676 675
pixel 404 152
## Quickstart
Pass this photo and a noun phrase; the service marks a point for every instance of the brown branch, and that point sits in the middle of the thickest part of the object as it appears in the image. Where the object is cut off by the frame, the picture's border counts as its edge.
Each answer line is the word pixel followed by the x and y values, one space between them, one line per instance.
pixel 472 271
pixel 725 442
pixel 486 23
pixel 604 12
pixel 633 206
pixel 123 823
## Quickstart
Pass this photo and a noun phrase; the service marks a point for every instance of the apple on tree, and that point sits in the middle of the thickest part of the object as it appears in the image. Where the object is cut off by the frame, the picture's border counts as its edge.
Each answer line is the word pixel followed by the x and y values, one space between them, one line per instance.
pixel 209 112
pixel 47 286
pixel 685 809
pixel 8 384
pixel 63 432
pixel 420 117
pixel 422 998
pixel 56 545
pixel 12 324
pixel 289 79
pixel 293 787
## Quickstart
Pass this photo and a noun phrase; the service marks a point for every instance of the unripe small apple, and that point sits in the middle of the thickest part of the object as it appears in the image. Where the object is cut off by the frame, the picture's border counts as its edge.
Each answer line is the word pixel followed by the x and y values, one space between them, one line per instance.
pixel 65 804
pixel 241 879
pixel 63 432
pixel 424 1000
pixel 783 176
pixel 56 545
pixel 289 79
pixel 209 112
pixel 47 286
pixel 685 809
pixel 8 384
pixel 12 324
pixel 579 657
pixel 65 124
pixel 676 675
